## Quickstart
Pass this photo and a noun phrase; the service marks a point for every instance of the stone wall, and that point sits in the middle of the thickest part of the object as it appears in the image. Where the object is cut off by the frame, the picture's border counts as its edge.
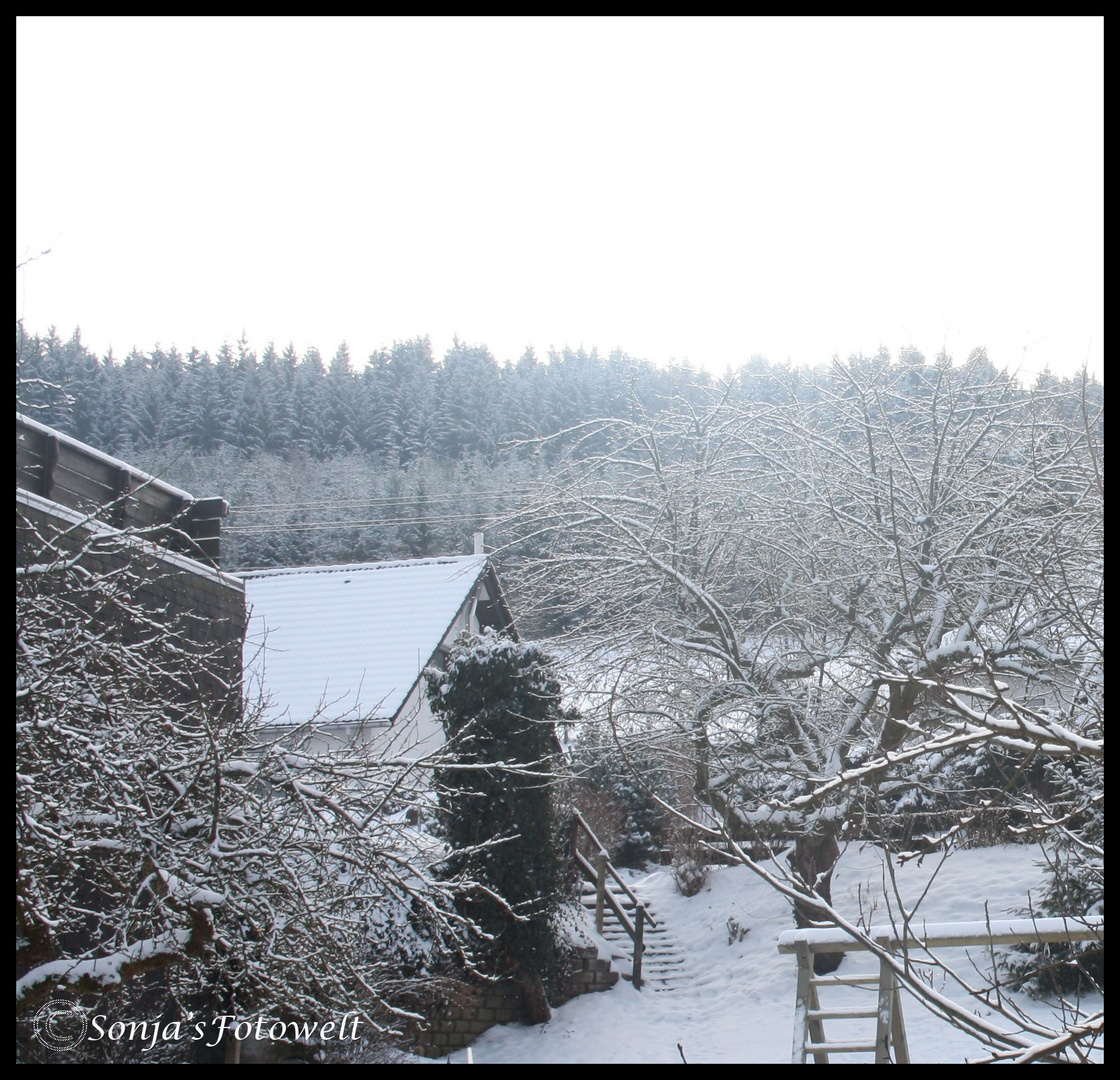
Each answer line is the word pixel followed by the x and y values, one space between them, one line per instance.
pixel 459 1018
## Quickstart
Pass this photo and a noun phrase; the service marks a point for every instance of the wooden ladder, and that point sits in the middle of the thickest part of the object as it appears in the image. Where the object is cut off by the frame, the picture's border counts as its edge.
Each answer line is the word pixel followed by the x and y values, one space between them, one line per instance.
pixel 889 1045
pixel 888 942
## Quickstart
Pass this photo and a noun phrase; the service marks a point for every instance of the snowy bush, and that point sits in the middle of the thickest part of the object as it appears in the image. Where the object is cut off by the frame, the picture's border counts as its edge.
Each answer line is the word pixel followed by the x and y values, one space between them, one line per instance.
pixel 618 793
pixel 690 866
pixel 1074 886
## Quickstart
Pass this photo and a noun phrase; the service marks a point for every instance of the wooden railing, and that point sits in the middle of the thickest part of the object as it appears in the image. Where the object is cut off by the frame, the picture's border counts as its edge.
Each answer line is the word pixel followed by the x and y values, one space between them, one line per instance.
pixel 597 873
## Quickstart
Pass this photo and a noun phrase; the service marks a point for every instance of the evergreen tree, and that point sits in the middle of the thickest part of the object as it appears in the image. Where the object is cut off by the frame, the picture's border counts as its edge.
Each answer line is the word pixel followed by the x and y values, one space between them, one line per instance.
pixel 250 418
pixel 467 393
pixel 197 415
pixel 340 410
pixel 499 703
pixel 309 377
pixel 374 431
pixel 276 389
pixel 41 380
pixel 409 386
pixel 141 422
pixel 80 379
pixel 1074 885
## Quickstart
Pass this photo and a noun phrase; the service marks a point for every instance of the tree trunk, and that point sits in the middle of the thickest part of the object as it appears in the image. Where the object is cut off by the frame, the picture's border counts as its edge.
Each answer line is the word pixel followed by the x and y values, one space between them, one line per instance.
pixel 534 999
pixel 814 858
pixel 903 700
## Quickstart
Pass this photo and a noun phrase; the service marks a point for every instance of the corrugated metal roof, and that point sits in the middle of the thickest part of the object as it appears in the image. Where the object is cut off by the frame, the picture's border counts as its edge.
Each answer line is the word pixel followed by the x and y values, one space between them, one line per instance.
pixel 349 642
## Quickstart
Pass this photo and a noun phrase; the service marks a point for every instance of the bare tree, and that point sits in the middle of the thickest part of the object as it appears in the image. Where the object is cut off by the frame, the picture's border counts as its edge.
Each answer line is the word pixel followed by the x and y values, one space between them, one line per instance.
pixel 164 855
pixel 822 599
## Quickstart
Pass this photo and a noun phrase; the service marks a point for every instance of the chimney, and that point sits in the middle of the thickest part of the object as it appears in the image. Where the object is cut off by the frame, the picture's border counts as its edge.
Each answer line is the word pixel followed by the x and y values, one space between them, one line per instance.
pixel 478 548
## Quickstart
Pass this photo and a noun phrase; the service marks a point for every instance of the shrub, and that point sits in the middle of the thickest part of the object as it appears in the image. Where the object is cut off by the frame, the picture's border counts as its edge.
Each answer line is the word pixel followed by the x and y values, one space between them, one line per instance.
pixel 499 704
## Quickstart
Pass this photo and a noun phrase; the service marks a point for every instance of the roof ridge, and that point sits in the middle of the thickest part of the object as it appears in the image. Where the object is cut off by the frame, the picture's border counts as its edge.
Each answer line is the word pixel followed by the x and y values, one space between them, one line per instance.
pixel 350 568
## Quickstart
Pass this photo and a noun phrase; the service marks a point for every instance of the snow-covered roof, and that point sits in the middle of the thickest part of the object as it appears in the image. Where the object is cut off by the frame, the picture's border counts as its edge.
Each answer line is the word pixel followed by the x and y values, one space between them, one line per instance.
pixel 349 642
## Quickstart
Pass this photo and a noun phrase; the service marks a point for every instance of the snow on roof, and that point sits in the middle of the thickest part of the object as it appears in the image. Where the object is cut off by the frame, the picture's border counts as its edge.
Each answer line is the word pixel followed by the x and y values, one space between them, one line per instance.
pixel 349 642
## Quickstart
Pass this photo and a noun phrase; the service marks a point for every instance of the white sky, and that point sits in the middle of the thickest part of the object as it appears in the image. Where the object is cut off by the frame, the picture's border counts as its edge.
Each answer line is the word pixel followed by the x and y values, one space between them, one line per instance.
pixel 699 188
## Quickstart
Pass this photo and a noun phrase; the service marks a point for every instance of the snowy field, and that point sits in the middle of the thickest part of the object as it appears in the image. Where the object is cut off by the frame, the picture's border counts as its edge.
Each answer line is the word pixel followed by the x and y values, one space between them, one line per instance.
pixel 738 1004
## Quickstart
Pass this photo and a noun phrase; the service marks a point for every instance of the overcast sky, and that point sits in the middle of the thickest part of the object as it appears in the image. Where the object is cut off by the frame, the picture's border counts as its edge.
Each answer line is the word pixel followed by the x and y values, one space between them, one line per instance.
pixel 699 188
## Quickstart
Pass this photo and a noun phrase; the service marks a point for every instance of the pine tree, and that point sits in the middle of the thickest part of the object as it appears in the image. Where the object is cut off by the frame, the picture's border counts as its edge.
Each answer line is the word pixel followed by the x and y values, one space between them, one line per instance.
pixel 339 409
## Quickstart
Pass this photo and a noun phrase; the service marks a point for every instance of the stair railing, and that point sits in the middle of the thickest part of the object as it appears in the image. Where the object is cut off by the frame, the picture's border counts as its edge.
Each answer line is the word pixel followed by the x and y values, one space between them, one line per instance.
pixel 597 874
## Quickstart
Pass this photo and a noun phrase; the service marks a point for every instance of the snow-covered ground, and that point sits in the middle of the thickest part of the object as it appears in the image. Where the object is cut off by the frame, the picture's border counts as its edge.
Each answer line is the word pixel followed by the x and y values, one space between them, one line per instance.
pixel 738 1004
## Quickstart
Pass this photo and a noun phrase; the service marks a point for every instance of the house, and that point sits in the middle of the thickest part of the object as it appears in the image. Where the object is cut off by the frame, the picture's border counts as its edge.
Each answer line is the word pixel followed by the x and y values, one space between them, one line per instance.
pixel 345 647
pixel 128 657
pixel 71 499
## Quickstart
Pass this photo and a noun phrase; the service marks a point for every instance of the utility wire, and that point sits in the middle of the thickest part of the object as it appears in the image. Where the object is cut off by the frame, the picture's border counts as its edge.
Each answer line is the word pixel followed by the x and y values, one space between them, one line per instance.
pixel 343 523
pixel 386 501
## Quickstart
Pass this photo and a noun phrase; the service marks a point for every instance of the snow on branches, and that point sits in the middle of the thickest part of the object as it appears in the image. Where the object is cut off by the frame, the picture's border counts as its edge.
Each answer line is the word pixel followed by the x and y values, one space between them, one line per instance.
pixel 163 853
pixel 838 597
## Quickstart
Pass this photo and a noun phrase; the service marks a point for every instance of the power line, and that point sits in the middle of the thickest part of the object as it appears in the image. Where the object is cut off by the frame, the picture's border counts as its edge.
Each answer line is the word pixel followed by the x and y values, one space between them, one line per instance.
pixel 343 523
pixel 379 502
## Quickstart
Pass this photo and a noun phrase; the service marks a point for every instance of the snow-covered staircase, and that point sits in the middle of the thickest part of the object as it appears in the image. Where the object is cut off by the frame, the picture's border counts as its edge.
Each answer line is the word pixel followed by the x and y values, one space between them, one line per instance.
pixel 664 963
pixel 624 919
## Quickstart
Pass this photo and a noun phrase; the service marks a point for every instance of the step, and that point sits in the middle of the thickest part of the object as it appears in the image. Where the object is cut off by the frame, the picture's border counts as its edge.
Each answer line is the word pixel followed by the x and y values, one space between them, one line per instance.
pixel 664 962
pixel 619 898
pixel 843 1014
pixel 841 1047
pixel 843 980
